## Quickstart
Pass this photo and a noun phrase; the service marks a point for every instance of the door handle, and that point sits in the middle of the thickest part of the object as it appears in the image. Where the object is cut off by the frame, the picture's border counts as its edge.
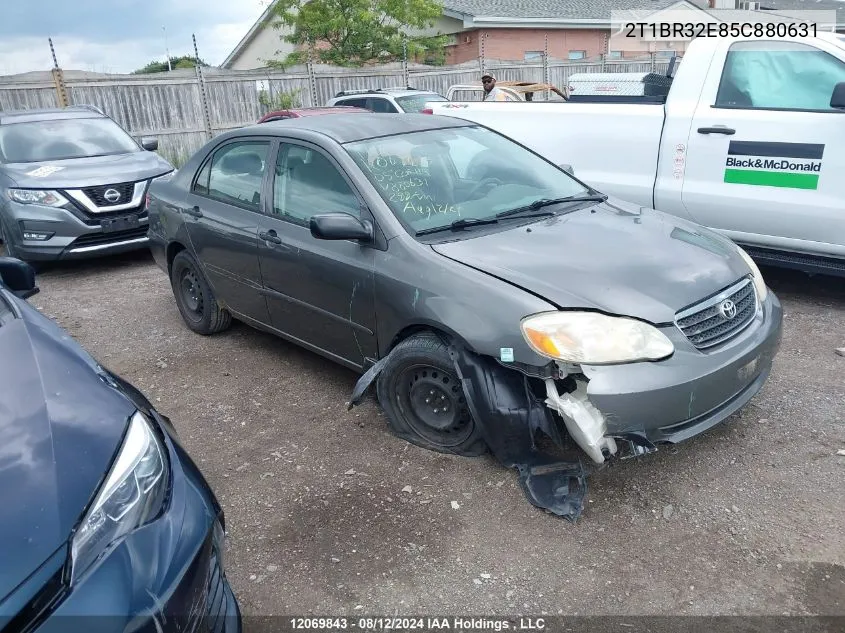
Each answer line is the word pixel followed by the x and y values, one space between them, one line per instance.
pixel 194 211
pixel 717 129
pixel 270 236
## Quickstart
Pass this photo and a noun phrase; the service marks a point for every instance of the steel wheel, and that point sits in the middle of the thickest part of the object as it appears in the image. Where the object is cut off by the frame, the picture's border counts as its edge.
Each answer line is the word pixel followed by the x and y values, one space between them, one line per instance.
pixel 433 405
pixel 192 296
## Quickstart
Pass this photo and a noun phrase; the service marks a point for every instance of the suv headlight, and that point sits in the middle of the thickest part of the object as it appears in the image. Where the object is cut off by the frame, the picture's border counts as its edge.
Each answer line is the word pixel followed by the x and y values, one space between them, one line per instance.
pixel 594 339
pixel 757 276
pixel 132 495
pixel 42 197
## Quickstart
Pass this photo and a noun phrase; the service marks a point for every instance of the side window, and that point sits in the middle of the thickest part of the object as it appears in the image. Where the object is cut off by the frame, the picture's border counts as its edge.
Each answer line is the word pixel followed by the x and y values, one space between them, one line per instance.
pixel 201 184
pixel 358 103
pixel 235 173
pixel 307 183
pixel 773 74
pixel 377 104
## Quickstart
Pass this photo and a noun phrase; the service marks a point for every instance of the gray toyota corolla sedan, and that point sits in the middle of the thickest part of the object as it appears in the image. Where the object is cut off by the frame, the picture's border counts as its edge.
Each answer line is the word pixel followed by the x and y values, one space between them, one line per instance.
pixel 491 296
pixel 72 184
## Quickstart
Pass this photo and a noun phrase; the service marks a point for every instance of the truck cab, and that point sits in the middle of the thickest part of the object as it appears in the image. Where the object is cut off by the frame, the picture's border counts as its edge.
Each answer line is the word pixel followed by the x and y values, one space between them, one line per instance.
pixel 749 140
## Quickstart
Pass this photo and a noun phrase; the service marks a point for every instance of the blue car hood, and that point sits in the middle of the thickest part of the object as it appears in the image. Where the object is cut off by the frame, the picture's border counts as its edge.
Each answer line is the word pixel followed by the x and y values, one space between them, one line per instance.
pixel 60 428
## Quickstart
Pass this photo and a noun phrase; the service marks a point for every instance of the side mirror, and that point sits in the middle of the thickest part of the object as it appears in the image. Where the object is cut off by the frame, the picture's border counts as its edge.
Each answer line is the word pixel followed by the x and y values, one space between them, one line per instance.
pixel 18 276
pixel 149 143
pixel 837 100
pixel 567 168
pixel 340 226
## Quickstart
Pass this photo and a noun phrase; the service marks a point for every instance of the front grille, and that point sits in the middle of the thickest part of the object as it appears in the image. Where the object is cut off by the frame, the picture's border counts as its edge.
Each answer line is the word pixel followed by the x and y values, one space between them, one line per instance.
pixel 705 325
pixel 94 239
pixel 97 194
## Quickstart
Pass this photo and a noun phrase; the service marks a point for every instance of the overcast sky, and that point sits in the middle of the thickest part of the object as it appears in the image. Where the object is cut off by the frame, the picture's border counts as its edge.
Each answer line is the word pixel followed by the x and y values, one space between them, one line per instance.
pixel 119 36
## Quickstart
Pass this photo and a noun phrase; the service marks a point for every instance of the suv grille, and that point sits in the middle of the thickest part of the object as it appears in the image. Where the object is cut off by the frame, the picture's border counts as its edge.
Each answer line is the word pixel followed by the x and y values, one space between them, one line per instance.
pixel 97 194
pixel 712 321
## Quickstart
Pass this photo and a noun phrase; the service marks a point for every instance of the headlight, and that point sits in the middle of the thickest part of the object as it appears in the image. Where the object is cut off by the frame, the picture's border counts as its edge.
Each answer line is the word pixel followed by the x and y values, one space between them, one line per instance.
pixel 38 196
pixel 594 339
pixel 759 282
pixel 166 176
pixel 131 496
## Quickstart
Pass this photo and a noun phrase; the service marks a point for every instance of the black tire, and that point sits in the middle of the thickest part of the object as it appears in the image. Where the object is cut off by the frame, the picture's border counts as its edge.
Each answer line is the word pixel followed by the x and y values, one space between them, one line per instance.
pixel 423 400
pixel 195 298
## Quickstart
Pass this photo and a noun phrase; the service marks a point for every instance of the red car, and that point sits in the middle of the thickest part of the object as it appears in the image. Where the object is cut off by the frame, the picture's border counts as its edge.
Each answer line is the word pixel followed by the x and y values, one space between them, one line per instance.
pixel 295 113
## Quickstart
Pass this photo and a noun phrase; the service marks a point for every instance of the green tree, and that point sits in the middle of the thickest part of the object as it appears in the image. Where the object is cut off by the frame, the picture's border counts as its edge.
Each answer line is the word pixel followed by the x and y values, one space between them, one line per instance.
pixel 280 100
pixel 357 32
pixel 183 61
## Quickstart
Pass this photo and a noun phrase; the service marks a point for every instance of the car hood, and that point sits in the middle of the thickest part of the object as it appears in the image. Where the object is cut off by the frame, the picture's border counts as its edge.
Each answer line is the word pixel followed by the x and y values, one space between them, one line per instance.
pixel 88 172
pixel 60 428
pixel 614 257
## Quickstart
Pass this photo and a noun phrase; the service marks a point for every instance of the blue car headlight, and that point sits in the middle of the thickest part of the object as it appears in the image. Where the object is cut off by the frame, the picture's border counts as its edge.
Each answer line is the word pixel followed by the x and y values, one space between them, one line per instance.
pixel 132 495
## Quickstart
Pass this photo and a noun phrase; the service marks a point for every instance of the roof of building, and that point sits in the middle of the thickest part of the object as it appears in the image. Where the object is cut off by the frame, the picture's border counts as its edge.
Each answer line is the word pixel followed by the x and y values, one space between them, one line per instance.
pixel 553 9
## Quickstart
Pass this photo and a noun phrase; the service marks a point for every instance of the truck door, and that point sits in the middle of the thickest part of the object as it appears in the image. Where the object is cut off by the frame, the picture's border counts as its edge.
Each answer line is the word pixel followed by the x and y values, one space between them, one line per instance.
pixel 765 158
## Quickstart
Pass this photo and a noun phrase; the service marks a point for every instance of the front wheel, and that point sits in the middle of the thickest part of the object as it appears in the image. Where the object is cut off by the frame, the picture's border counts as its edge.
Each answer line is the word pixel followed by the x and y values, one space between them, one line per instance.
pixel 424 401
pixel 195 298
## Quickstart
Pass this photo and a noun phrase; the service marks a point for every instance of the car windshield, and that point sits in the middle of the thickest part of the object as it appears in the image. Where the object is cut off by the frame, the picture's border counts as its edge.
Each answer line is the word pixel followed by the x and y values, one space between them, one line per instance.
pixel 38 141
pixel 416 103
pixel 433 178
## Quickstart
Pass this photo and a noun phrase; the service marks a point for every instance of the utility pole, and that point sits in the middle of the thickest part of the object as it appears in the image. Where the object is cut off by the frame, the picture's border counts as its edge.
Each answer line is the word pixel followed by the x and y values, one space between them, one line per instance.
pixel 58 79
pixel 166 48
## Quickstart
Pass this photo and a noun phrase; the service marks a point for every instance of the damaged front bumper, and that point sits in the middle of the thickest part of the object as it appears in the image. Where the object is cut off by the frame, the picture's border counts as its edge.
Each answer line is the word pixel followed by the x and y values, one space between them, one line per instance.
pixel 612 410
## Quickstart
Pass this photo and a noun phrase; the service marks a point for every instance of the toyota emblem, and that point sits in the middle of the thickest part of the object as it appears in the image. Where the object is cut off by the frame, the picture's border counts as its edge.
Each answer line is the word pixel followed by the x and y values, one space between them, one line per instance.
pixel 727 309
pixel 112 195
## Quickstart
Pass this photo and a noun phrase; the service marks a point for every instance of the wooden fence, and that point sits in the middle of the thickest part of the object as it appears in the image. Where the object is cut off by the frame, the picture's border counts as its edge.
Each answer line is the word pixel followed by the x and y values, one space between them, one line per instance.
pixel 184 109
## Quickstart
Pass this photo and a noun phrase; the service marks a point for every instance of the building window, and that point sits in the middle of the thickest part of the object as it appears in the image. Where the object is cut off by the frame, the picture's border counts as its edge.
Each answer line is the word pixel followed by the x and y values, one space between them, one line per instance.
pixel 577 54
pixel 533 55
pixel 665 53
pixel 614 55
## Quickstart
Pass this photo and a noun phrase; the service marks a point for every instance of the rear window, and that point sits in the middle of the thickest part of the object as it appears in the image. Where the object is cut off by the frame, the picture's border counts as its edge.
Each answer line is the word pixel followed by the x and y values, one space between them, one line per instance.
pixel 415 103
pixel 38 141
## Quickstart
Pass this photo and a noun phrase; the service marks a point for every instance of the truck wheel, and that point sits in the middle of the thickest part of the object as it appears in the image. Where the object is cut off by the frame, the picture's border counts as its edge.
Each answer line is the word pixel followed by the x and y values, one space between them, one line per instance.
pixel 424 401
pixel 194 297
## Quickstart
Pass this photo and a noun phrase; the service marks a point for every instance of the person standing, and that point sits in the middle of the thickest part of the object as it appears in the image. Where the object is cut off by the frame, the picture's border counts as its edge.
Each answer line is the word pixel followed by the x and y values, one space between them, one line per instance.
pixel 491 92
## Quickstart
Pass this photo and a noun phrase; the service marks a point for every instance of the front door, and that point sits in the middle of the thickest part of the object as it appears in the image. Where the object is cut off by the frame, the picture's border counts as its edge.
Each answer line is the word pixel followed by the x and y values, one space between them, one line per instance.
pixel 765 160
pixel 223 211
pixel 320 292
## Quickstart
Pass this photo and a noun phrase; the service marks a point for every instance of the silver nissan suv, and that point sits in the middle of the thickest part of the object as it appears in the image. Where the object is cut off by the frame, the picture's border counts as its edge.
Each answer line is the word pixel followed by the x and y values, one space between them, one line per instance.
pixel 73 184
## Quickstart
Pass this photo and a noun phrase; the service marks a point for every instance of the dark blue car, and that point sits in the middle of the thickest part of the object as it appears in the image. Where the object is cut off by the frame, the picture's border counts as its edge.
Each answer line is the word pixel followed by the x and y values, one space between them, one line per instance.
pixel 106 524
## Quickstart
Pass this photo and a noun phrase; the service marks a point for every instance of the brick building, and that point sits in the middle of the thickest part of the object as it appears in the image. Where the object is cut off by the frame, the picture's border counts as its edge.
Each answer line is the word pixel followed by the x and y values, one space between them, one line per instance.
pixel 517 30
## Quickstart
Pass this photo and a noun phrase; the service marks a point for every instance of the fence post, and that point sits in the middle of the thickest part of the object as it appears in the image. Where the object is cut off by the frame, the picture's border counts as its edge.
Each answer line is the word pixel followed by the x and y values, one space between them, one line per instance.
pixel 481 62
pixel 405 73
pixel 546 75
pixel 206 114
pixel 653 56
pixel 312 79
pixel 58 79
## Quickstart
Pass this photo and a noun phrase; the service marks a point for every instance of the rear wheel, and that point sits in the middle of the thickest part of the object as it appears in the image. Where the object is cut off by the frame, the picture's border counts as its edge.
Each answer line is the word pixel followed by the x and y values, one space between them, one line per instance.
pixel 195 298
pixel 424 401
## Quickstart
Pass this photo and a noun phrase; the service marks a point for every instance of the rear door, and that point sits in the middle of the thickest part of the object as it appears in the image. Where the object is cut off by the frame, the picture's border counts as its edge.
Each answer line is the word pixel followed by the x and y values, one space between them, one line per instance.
pixel 765 160
pixel 223 211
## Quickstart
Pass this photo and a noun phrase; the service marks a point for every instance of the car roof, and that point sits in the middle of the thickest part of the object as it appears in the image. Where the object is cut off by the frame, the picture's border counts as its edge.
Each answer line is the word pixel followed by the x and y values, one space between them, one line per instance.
pixel 50 114
pixel 312 111
pixel 348 127
pixel 391 92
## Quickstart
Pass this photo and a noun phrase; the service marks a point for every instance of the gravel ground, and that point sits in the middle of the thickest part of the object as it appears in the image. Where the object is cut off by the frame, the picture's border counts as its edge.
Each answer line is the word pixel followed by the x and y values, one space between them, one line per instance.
pixel 328 513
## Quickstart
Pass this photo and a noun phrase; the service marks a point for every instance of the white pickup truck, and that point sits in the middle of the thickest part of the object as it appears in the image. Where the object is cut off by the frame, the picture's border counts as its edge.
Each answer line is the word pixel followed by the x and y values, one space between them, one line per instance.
pixel 748 139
